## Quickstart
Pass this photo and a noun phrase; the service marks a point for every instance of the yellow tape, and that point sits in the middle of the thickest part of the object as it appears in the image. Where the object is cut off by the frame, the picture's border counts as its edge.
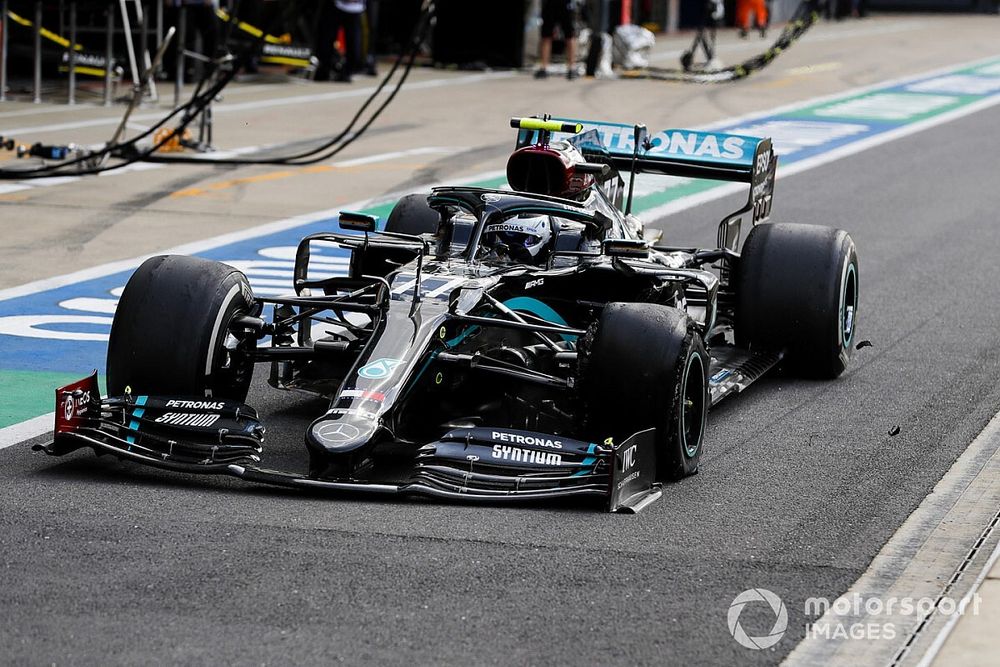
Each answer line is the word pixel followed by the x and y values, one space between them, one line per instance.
pixel 83 69
pixel 252 30
pixel 18 19
pixel 550 125
pixel 45 32
pixel 282 60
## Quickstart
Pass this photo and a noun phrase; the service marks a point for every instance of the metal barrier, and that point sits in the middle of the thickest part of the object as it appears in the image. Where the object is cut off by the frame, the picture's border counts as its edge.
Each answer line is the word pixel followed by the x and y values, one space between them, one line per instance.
pixel 4 27
pixel 136 67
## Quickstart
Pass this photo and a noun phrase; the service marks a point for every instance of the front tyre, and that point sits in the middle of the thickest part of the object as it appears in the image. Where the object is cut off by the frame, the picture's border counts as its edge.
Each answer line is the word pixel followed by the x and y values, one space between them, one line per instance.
pixel 171 331
pixel 412 215
pixel 797 291
pixel 644 365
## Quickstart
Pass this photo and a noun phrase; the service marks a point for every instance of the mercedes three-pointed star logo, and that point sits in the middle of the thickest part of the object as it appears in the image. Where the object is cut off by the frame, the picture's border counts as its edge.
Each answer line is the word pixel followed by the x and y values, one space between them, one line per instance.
pixel 337 432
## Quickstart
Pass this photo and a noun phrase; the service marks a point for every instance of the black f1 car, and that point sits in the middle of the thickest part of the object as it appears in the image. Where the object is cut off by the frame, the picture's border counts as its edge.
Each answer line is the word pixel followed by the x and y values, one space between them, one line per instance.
pixel 487 344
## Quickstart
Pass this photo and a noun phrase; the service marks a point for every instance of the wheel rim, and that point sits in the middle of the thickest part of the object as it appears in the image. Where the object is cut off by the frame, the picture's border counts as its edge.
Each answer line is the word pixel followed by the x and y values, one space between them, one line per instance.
pixel 849 305
pixel 229 364
pixel 236 367
pixel 693 404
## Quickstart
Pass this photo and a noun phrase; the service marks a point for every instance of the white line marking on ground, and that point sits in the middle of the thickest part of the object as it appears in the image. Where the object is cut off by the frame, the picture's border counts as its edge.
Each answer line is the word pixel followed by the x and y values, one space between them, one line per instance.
pixel 26 430
pixel 39 112
pixel 831 36
pixel 945 632
pixel 224 108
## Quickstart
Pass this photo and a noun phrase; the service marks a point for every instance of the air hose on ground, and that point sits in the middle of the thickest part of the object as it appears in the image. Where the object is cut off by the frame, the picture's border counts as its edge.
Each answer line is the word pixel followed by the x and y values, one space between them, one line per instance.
pixel 129 152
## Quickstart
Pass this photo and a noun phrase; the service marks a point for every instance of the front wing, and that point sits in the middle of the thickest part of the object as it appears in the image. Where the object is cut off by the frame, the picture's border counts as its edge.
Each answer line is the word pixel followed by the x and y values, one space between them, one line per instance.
pixel 211 436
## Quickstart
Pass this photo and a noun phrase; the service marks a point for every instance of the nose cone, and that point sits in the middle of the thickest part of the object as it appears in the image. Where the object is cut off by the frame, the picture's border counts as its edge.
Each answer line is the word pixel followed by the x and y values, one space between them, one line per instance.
pixel 337 435
pixel 339 445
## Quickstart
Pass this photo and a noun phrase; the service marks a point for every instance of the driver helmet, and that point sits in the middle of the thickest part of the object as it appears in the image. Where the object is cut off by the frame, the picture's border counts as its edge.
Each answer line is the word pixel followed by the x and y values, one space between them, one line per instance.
pixel 525 238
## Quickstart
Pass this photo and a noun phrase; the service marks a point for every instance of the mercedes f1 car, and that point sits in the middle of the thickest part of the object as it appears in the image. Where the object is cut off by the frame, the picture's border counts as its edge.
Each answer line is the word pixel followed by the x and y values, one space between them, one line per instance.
pixel 487 345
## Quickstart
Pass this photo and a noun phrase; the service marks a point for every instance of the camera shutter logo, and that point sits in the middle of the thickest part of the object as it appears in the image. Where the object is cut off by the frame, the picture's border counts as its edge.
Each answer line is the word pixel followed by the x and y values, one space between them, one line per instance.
pixel 780 620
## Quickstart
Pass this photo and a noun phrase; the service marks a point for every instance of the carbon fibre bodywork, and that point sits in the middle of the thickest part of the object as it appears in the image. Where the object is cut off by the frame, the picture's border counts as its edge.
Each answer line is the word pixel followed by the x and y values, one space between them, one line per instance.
pixel 452 370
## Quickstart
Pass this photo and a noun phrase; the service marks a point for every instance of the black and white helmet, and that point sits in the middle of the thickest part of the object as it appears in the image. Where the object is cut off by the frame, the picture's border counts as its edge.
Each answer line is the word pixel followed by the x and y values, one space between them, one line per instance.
pixel 525 238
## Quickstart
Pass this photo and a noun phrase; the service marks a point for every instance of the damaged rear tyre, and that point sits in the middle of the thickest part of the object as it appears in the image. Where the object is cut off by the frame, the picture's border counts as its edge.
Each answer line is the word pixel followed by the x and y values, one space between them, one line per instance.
pixel 170 334
pixel 797 291
pixel 642 366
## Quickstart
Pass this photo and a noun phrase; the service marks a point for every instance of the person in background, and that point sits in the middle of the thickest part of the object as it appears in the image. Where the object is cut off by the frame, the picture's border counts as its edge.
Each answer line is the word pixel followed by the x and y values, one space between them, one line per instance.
pixel 560 13
pixel 201 21
pixel 334 15
pixel 759 10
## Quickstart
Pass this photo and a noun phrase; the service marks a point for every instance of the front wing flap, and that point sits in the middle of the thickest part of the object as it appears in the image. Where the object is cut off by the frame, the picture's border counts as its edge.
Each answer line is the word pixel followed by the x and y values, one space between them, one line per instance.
pixel 212 436
pixel 185 434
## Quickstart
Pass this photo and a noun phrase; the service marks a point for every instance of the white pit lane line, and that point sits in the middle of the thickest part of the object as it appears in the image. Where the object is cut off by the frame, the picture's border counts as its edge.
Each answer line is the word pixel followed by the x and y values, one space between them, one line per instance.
pixel 918 562
pixel 17 186
pixel 939 640
pixel 296 100
pixel 14 434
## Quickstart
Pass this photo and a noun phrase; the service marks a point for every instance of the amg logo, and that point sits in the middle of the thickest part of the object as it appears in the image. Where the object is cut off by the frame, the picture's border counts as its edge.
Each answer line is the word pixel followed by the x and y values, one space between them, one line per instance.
pixel 526 455
pixel 185 419
pixel 526 440
pixel 196 405
pixel 534 283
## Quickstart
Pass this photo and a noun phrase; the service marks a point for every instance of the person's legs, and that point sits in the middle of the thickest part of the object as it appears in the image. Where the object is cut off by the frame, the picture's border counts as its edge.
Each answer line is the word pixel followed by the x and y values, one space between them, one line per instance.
pixel 568 25
pixel 352 41
pixel 743 16
pixel 343 20
pixel 546 52
pixel 326 32
pixel 207 24
pixel 545 46
pixel 760 16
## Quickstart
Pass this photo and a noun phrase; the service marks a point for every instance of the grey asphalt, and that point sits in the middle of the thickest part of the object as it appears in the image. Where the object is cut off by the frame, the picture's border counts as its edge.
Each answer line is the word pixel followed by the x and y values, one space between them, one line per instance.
pixel 800 486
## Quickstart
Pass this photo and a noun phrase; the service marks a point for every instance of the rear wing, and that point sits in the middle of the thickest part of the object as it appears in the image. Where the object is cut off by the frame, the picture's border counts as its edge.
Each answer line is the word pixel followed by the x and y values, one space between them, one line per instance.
pixel 687 154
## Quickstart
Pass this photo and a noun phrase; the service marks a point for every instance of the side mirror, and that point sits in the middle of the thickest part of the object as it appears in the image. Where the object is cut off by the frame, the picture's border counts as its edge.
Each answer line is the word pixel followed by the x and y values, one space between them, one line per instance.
pixel 358 222
pixel 595 168
pixel 641 137
pixel 634 248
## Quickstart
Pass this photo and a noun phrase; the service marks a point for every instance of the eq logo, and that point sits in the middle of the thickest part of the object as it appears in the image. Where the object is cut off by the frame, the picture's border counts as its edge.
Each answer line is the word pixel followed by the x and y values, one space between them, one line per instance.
pixel 780 618
pixel 379 369
pixel 628 458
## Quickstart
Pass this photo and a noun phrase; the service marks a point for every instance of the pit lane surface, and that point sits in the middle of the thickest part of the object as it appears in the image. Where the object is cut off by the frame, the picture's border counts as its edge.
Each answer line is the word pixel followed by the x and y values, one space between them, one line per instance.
pixel 800 486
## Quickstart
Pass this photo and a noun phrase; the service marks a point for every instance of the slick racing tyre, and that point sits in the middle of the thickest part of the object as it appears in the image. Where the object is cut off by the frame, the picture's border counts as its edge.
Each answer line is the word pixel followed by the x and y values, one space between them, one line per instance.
pixel 797 291
pixel 642 365
pixel 412 215
pixel 170 335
